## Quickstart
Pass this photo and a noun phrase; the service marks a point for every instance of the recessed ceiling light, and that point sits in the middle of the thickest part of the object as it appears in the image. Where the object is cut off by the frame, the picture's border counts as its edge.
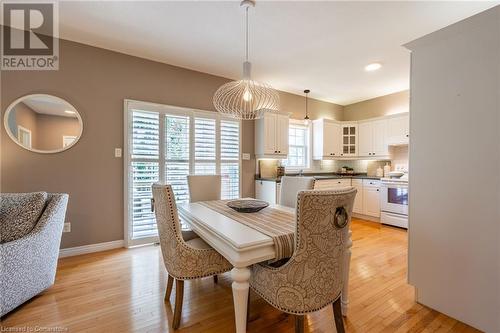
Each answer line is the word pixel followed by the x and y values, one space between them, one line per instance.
pixel 373 67
pixel 70 112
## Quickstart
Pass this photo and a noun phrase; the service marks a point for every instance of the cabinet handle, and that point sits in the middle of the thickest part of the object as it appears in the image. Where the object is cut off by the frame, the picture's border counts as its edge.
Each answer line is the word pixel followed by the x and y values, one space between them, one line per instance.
pixel 373 153
pixel 378 190
pixel 406 135
pixel 333 154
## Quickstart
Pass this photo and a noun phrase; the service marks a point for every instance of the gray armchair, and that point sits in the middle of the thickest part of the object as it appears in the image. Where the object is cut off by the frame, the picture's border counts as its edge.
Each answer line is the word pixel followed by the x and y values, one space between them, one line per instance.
pixel 28 263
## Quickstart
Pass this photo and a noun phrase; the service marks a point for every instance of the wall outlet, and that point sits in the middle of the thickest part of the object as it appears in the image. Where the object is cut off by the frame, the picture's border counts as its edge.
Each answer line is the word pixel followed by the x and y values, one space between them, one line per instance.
pixel 118 152
pixel 246 156
pixel 67 227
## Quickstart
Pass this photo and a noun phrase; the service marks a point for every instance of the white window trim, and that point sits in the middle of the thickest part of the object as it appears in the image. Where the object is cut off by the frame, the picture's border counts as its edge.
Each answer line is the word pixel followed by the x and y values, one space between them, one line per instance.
pixel 163 109
pixel 309 147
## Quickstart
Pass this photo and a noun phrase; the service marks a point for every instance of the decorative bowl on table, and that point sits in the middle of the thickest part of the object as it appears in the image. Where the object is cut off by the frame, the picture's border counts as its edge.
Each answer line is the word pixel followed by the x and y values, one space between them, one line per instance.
pixel 247 206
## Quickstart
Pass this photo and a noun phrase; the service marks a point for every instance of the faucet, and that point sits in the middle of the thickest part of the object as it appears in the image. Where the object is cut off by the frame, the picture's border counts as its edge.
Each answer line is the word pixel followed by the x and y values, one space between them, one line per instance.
pixel 301 173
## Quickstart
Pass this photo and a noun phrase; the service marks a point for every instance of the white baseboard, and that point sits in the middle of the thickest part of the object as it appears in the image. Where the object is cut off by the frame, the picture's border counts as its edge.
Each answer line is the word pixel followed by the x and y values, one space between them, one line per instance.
pixel 74 251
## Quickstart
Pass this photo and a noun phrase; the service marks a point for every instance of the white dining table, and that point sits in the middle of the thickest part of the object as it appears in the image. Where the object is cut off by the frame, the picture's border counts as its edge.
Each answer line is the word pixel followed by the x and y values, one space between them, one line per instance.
pixel 242 246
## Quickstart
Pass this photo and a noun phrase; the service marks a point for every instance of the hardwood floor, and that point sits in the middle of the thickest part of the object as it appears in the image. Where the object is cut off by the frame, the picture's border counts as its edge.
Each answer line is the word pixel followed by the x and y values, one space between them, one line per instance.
pixel 123 291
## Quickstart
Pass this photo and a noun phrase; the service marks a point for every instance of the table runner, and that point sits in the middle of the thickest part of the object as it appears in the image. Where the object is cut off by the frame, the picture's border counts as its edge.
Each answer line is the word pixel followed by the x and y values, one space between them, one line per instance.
pixel 277 224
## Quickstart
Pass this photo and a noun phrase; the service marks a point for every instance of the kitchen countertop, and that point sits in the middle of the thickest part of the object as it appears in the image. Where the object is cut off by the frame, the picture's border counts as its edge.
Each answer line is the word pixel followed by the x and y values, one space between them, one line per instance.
pixel 319 176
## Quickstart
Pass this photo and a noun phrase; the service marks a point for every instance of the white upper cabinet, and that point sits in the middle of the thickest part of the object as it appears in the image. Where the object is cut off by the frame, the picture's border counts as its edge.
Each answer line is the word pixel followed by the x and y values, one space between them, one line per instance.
pixel 398 129
pixel 271 135
pixel 326 139
pixel 349 140
pixel 373 138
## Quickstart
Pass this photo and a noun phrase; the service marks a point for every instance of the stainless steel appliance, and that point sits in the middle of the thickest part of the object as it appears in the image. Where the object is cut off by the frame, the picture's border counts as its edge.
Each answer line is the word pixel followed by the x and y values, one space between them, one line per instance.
pixel 394 201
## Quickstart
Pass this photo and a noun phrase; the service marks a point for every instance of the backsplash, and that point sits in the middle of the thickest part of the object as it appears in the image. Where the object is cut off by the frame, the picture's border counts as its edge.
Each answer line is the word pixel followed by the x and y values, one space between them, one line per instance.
pixel 399 156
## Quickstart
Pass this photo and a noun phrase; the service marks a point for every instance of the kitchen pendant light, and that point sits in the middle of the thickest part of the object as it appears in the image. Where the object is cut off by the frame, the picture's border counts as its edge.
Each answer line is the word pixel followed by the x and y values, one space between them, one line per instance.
pixel 306 118
pixel 246 99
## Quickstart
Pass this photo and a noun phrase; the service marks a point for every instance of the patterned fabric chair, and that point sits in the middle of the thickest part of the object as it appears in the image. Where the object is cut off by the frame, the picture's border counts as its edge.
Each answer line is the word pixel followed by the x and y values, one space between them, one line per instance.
pixel 313 277
pixel 28 251
pixel 184 260
pixel 290 186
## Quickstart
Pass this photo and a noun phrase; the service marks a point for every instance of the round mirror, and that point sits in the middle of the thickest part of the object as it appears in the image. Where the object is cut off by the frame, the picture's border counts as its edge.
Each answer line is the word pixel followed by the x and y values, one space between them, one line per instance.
pixel 43 123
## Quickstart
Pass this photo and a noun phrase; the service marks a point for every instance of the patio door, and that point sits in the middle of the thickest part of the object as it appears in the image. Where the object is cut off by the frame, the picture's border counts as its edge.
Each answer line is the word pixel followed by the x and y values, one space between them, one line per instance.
pixel 165 144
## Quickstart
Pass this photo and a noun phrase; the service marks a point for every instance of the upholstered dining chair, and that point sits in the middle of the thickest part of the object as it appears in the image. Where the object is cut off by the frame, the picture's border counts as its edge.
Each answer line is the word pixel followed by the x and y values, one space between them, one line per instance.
pixel 204 187
pixel 184 260
pixel 290 186
pixel 313 277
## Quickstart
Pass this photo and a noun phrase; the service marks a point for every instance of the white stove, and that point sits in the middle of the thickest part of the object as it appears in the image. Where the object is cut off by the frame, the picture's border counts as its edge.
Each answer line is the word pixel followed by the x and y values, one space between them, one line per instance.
pixel 394 201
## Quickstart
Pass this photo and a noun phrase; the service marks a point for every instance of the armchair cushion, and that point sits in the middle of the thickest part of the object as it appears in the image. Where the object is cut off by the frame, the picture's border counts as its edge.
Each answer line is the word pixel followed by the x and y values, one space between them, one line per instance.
pixel 19 213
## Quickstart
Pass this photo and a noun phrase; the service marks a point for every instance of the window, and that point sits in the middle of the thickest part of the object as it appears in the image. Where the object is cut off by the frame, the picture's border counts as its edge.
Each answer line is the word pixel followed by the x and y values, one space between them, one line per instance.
pixel 298 146
pixel 165 144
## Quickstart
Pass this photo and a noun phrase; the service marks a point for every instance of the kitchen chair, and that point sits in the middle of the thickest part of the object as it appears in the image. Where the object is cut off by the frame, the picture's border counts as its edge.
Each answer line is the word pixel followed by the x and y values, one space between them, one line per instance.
pixel 290 186
pixel 313 277
pixel 184 260
pixel 204 187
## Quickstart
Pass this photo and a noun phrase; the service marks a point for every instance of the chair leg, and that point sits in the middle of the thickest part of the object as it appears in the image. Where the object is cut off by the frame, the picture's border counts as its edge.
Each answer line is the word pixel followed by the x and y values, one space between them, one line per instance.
pixel 337 315
pixel 216 278
pixel 248 307
pixel 170 284
pixel 299 324
pixel 179 295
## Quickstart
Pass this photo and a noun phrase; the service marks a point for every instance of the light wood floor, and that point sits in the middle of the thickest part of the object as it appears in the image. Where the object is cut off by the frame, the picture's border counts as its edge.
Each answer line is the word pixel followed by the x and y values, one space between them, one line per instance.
pixel 122 291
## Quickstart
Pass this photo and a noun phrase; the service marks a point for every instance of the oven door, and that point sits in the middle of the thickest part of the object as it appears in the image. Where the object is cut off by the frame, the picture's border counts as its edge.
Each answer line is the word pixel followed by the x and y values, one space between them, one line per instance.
pixel 394 198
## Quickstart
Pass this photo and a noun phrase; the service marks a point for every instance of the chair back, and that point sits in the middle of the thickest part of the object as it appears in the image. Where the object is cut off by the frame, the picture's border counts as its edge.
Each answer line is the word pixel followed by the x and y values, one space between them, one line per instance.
pixel 169 228
pixel 204 187
pixel 313 277
pixel 290 186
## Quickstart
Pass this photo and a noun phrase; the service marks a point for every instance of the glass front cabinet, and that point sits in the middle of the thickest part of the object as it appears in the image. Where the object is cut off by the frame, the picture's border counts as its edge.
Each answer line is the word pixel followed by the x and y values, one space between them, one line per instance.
pixel 349 140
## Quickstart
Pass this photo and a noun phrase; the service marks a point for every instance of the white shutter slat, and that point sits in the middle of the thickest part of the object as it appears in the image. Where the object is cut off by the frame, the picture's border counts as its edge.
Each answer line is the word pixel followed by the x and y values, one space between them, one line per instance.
pixel 145 134
pixel 144 174
pixel 177 138
pixel 230 154
pixel 204 139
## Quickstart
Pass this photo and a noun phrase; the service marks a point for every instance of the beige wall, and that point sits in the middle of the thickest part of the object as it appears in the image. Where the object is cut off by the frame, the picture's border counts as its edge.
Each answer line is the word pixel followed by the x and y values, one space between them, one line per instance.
pixel 27 118
pixel 51 130
pixel 295 105
pixel 96 81
pixel 377 107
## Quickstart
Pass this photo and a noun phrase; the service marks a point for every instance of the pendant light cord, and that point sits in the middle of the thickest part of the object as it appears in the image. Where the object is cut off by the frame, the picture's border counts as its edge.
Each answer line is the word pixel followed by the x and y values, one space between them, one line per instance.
pixel 246 44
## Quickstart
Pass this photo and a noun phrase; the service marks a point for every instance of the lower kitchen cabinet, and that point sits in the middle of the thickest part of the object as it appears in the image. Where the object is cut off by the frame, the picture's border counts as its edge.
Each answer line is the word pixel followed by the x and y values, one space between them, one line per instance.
pixel 267 190
pixel 371 197
pixel 358 201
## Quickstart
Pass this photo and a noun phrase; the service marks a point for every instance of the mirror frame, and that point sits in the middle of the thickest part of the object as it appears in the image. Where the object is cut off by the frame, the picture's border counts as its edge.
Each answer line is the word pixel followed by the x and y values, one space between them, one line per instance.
pixel 11 135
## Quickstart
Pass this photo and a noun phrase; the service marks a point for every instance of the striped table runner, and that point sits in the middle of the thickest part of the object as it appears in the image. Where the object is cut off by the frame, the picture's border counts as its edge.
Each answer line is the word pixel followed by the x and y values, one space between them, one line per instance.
pixel 277 224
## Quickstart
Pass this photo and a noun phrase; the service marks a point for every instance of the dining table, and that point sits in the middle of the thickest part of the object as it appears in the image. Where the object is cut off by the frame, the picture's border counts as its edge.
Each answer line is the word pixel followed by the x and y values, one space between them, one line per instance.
pixel 242 238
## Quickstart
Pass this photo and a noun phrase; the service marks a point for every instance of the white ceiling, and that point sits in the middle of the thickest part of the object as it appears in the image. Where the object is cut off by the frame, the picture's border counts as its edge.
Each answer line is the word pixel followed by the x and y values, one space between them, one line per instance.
pixel 44 104
pixel 322 46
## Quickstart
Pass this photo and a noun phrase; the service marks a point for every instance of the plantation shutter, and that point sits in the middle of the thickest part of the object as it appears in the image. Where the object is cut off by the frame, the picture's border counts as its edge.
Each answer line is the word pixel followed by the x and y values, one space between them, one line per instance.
pixel 177 155
pixel 205 151
pixel 229 158
pixel 144 171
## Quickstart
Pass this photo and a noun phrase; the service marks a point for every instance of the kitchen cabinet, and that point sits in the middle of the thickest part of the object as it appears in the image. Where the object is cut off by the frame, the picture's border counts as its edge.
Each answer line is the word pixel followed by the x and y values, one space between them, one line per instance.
pixel 349 140
pixel 398 129
pixel 371 197
pixel 372 137
pixel 358 201
pixel 326 139
pixel 331 184
pixel 271 135
pixel 267 190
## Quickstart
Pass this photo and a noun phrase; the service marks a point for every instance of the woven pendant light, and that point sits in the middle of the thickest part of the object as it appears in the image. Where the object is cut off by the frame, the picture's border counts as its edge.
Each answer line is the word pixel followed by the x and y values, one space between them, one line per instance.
pixel 246 99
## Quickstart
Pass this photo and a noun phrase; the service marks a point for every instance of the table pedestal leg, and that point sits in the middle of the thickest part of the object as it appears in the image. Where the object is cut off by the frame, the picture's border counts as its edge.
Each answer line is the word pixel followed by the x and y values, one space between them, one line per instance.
pixel 240 297
pixel 347 263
